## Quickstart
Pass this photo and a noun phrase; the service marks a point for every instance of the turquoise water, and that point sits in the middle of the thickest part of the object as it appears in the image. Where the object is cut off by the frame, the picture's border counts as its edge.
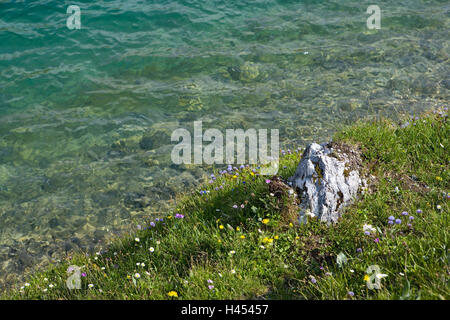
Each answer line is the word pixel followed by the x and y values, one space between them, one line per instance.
pixel 75 104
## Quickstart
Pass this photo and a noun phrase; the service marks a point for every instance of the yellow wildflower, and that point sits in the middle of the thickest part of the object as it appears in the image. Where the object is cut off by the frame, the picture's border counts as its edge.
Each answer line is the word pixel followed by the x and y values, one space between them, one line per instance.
pixel 242 237
pixel 238 229
pixel 366 277
pixel 172 294
pixel 265 221
pixel 276 237
pixel 221 227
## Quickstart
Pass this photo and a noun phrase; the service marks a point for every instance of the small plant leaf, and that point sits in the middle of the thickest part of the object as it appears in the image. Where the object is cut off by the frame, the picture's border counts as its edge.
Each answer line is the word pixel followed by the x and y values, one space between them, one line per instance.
pixel 341 259
pixel 406 292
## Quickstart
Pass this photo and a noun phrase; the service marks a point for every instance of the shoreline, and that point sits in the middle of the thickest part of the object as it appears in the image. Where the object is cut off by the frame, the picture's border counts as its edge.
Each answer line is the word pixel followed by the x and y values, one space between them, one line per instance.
pixel 228 238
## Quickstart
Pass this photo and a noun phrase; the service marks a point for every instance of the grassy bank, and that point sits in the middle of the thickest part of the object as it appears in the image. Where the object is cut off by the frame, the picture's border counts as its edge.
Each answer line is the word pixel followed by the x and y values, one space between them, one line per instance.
pixel 234 239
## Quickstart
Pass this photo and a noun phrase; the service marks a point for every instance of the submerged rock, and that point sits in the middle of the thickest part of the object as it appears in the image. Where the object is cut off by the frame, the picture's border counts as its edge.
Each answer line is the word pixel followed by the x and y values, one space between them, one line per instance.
pixel 327 179
pixel 24 259
pixel 154 140
pixel 248 72
pixel 159 135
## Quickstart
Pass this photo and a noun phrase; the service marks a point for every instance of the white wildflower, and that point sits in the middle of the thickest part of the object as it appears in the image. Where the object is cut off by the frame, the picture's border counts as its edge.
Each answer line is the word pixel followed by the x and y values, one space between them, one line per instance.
pixel 381 275
pixel 369 228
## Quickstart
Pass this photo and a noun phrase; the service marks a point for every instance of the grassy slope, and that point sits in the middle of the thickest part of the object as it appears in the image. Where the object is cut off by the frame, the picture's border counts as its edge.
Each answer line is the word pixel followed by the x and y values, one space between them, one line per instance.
pixel 278 260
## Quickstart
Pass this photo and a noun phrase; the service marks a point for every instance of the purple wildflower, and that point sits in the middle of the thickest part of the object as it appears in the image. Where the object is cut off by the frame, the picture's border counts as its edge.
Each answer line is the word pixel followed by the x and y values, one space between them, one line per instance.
pixel 398 221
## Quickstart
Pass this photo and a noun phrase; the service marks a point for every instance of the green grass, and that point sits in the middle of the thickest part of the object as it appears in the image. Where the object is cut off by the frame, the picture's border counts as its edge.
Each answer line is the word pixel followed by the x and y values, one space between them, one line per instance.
pixel 246 258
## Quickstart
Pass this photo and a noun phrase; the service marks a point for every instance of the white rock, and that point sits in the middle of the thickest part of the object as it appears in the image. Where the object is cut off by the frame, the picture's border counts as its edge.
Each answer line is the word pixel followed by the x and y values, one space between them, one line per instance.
pixel 324 184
